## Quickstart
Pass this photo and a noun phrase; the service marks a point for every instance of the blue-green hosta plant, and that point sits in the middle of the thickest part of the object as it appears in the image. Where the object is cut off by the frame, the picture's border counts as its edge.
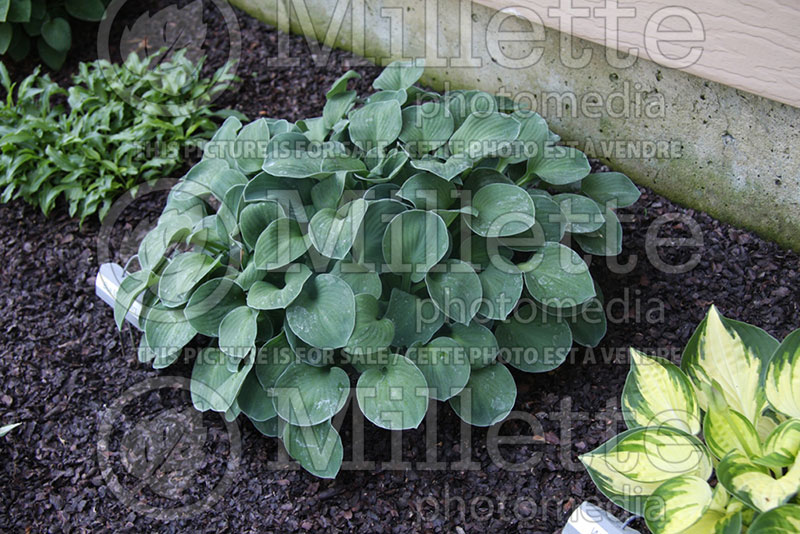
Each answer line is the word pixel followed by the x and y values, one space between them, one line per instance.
pixel 410 240
pixel 732 409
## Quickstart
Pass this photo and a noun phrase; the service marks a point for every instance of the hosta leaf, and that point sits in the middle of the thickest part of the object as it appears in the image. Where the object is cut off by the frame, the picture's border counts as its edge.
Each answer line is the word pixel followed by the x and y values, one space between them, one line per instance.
pixel 445 365
pixel 211 302
pixel 290 193
pixel 631 466
pixel 272 359
pixel 725 430
pixel 677 504
pixel 455 289
pixel 307 353
pixel 560 165
pixel 483 135
pixel 237 332
pixel 376 125
pixel 359 278
pixel 414 319
pixel 549 217
pixel 781 520
pixel 293 155
pixel 91 10
pixel 587 322
pixel 279 245
pixel 605 241
pixel 305 395
pixel 155 244
pixel 753 485
pixel 254 401
pixel 214 386
pixel 658 393
pixel 227 218
pixel 582 214
pixel 449 169
pixel 182 275
pixel 337 106
pixel 464 103
pixel 317 448
pixel 340 85
pixel 532 341
pixel 781 446
pixel 216 176
pixel 426 127
pixel 252 146
pixel 399 75
pixel 267 296
pixel 782 384
pixel 501 284
pixel 370 334
pixel 129 290
pixel 729 357
pixel 324 314
pixel 488 397
pixel 612 188
pixel 368 245
pixel 166 332
pixel 531 139
pixel 57 34
pixel 502 210
pixel 332 232
pixel 478 341
pixel 557 276
pixel 328 191
pixel 428 192
pixel 254 219
pixel 393 396
pixel 414 242
pixel 400 96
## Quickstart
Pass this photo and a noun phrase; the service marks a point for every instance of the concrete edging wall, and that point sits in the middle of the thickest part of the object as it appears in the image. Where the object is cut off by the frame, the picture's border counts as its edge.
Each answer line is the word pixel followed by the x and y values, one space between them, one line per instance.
pixel 729 153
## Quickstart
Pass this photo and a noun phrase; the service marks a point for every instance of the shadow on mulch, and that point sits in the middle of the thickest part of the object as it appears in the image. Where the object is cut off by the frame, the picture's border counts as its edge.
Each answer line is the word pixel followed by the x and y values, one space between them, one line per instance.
pixel 62 363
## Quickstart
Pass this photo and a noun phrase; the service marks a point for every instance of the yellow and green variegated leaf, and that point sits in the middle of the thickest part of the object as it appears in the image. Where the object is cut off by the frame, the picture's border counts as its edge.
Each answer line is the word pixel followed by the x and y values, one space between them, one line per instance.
pixel 769 421
pixel 658 393
pixel 782 520
pixel 725 429
pixel 729 524
pixel 730 356
pixel 677 504
pixel 628 468
pixel 754 485
pixel 781 446
pixel 782 383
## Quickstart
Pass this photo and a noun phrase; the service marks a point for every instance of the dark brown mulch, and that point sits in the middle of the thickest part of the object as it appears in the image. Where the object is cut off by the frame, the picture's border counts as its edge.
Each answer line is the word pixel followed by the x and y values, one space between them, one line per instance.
pixel 62 363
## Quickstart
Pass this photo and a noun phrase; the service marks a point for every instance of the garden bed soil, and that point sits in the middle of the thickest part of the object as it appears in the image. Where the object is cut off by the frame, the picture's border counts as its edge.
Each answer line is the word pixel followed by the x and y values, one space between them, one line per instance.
pixel 62 363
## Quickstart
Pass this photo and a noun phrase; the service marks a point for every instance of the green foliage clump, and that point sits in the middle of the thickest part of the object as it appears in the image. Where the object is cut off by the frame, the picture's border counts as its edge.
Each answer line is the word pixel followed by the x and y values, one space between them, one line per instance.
pixel 117 126
pixel 44 24
pixel 739 389
pixel 410 238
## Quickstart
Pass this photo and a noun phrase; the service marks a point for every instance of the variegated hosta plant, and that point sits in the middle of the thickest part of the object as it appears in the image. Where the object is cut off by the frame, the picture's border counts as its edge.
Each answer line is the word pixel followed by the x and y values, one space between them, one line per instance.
pixel 732 407
pixel 411 239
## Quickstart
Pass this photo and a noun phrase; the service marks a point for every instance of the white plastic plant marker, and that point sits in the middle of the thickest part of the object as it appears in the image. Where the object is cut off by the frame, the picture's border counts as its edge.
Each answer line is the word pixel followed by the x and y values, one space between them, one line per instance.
pixel 109 277
pixel 591 519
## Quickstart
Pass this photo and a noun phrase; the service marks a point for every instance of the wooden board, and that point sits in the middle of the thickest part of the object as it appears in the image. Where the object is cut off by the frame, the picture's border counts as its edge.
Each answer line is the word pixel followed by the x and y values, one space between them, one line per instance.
pixel 752 45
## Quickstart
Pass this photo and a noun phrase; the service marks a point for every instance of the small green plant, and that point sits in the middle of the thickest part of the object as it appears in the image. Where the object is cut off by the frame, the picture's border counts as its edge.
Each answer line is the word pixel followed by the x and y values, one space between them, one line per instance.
pixel 740 390
pixel 103 135
pixel 44 24
pixel 412 238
